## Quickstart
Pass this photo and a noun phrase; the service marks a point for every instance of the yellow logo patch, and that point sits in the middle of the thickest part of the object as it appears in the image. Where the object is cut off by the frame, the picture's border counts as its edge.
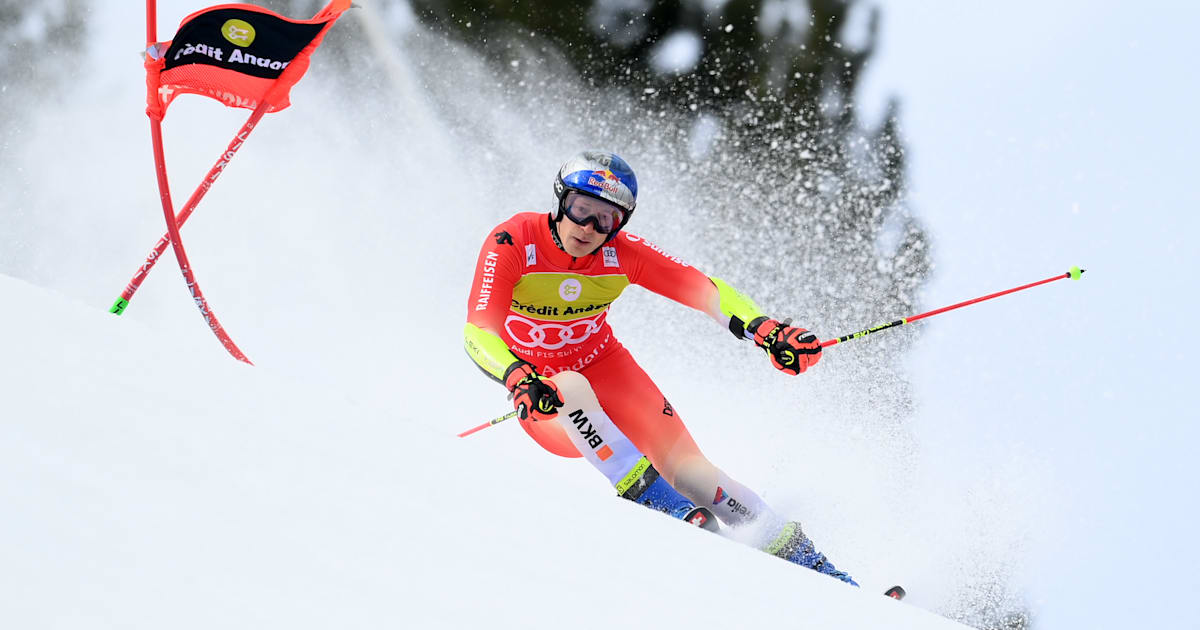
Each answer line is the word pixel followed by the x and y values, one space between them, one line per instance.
pixel 565 296
pixel 238 32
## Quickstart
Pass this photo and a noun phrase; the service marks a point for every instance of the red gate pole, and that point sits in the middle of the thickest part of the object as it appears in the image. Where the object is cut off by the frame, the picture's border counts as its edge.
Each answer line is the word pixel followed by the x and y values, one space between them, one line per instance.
pixel 139 276
pixel 164 193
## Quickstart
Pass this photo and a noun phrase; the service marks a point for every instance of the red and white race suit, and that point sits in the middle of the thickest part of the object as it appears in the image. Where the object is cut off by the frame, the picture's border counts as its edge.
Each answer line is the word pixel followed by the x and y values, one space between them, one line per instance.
pixel 550 309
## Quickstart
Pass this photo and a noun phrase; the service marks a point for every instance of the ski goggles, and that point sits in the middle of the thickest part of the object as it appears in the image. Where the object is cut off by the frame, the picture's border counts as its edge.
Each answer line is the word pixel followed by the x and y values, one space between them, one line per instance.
pixel 605 217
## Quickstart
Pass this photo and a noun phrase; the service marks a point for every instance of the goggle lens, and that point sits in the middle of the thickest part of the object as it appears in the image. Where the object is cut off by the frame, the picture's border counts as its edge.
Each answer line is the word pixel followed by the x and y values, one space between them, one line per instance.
pixel 604 216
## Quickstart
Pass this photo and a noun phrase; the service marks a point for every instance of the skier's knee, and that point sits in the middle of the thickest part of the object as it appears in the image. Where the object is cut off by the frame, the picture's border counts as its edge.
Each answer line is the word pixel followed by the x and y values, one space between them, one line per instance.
pixel 590 429
pixel 575 390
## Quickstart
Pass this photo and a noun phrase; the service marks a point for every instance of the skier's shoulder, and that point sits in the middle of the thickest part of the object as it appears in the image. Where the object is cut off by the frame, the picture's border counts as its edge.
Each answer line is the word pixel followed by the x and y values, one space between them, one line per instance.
pixel 527 218
pixel 635 246
pixel 516 230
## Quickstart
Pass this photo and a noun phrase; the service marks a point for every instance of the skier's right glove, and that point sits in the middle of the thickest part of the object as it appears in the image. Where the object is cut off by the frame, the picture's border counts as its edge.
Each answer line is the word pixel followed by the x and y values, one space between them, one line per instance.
pixel 791 349
pixel 535 398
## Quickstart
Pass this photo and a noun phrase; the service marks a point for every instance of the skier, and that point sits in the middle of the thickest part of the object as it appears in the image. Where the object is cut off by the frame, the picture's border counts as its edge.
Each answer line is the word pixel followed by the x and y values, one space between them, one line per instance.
pixel 536 322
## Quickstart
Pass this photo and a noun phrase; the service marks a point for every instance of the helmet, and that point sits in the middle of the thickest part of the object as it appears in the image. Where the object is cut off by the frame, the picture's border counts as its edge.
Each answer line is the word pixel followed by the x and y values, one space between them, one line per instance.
pixel 598 174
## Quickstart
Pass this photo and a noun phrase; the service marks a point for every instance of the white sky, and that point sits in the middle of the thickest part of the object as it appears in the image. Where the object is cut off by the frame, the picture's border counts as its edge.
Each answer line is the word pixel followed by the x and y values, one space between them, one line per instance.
pixel 1043 135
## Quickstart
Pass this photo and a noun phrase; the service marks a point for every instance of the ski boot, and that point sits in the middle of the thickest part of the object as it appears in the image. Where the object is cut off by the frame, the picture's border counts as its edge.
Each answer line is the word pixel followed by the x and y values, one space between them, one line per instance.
pixel 644 486
pixel 792 545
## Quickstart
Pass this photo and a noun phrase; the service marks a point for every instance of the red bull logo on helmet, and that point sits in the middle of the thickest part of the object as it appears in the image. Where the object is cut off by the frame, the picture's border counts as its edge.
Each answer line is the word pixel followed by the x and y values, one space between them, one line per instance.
pixel 606 181
pixel 607 184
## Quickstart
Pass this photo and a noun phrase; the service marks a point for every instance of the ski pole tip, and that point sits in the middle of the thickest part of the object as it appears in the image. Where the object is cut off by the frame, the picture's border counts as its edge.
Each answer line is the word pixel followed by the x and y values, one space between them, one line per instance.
pixel 1076 273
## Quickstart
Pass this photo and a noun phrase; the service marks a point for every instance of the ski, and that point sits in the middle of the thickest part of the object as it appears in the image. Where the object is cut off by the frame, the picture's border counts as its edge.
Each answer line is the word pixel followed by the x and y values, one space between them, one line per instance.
pixel 896 592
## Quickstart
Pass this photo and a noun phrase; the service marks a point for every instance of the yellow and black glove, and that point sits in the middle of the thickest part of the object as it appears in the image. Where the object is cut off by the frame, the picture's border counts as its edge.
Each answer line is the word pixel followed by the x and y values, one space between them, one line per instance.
pixel 535 398
pixel 791 349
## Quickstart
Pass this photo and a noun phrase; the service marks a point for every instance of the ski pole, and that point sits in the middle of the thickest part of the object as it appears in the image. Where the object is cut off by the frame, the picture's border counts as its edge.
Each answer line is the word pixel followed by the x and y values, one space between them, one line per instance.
pixel 1074 273
pixel 511 414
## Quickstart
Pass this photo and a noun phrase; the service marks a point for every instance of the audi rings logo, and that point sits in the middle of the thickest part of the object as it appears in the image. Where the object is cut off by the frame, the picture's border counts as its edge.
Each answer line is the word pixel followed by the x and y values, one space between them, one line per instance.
pixel 570 289
pixel 551 335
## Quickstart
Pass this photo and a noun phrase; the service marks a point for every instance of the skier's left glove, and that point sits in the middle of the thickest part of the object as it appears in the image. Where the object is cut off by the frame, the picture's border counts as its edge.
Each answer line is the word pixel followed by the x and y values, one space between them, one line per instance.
pixel 791 349
pixel 535 398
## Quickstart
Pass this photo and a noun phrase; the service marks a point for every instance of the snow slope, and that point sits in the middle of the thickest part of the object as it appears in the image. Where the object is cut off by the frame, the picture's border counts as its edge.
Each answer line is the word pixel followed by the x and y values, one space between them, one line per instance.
pixel 147 483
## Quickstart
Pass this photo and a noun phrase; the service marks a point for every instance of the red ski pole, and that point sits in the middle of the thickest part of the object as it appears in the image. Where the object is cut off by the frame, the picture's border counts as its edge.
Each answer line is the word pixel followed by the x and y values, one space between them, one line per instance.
pixel 1074 274
pixel 511 414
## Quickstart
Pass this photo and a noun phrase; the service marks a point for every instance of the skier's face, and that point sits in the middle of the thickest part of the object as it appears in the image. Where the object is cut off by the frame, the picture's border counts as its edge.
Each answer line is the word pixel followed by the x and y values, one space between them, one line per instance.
pixel 579 240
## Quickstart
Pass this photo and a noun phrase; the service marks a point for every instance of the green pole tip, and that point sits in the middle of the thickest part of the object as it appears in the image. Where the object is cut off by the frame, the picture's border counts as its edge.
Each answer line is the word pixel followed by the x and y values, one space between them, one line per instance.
pixel 1076 272
pixel 118 307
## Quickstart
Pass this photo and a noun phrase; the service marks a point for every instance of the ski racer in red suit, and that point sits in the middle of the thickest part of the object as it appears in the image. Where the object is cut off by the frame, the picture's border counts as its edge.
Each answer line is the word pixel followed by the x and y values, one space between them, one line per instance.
pixel 536 322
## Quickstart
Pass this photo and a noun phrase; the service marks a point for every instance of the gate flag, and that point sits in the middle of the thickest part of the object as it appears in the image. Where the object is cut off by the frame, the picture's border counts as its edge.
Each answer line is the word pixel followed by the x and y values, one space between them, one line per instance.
pixel 238 54
pixel 243 56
